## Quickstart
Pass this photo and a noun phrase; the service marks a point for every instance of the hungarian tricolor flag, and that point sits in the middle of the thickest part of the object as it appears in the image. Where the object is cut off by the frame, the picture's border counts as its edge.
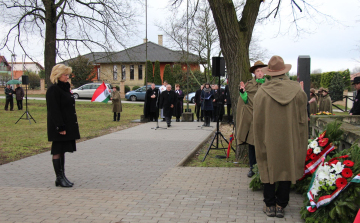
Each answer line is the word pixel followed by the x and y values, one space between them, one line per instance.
pixel 101 94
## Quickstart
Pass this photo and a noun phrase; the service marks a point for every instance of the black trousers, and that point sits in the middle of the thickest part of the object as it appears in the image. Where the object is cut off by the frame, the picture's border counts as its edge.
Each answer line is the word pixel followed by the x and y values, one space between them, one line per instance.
pixel 228 108
pixel 215 114
pixel 280 196
pixel 11 101
pixel 252 157
pixel 152 116
pixel 19 104
pixel 198 113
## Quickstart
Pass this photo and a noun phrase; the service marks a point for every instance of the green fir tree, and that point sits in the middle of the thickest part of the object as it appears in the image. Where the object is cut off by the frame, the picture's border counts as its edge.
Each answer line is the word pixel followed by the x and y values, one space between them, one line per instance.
pixel 149 72
pixel 168 75
pixel 336 87
pixel 157 77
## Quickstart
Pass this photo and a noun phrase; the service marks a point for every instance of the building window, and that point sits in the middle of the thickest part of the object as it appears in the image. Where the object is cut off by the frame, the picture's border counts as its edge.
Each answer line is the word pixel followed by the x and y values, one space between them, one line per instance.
pixel 115 73
pixel 123 72
pixel 98 73
pixel 131 72
pixel 140 72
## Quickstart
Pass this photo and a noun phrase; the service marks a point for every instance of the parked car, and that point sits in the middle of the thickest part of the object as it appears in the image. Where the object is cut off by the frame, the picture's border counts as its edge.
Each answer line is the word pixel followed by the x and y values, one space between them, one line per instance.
pixel 87 90
pixel 138 94
pixel 191 97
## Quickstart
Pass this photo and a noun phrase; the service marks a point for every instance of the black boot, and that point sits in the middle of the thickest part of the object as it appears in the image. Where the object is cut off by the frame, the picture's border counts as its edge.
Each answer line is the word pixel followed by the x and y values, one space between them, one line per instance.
pixel 250 173
pixel 114 116
pixel 60 181
pixel 62 158
pixel 205 122
pixel 118 117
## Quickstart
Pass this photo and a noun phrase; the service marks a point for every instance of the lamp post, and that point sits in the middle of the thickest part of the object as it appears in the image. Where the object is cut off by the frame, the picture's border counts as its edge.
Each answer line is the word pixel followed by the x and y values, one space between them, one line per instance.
pixel 13 56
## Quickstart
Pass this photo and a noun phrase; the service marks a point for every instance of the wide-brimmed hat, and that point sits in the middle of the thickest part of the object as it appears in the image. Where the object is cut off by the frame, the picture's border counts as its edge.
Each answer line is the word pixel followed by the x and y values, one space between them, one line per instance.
pixel 325 89
pixel 276 66
pixel 312 90
pixel 356 80
pixel 320 89
pixel 257 64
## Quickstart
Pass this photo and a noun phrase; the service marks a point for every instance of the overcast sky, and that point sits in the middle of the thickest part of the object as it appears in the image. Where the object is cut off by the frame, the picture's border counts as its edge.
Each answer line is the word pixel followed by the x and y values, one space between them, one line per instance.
pixel 332 44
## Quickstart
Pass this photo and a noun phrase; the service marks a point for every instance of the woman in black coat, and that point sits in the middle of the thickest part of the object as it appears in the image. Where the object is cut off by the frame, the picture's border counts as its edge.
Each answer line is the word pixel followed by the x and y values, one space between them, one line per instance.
pixel 62 125
pixel 207 103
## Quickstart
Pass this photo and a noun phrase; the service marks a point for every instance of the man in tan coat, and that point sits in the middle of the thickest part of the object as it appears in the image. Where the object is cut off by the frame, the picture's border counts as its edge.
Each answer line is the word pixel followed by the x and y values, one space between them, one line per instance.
pixel 116 101
pixel 244 112
pixel 280 135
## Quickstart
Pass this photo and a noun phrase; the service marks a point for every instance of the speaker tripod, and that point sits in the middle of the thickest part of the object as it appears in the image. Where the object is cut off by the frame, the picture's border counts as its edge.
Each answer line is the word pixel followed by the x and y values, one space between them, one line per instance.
pixel 28 115
pixel 217 133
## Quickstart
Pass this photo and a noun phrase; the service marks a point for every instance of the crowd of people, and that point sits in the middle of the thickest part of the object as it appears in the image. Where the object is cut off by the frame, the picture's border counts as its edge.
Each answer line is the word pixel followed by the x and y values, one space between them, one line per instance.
pixel 209 103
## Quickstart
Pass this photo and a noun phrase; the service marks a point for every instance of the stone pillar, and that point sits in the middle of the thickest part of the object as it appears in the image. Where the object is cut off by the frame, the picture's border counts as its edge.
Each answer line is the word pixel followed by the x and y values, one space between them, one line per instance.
pixel 303 72
pixel 42 85
pixel 122 89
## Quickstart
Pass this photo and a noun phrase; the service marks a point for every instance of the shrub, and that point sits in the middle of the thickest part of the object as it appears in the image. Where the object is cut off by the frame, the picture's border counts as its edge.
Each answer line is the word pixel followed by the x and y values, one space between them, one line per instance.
pixel 34 79
pixel 315 81
pixel 150 72
pixel 135 87
pixel 127 89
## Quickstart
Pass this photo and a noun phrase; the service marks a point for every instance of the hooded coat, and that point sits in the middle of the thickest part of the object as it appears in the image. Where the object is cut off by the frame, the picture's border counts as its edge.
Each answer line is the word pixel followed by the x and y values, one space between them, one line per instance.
pixel 244 114
pixel 326 104
pixel 313 105
pixel 280 130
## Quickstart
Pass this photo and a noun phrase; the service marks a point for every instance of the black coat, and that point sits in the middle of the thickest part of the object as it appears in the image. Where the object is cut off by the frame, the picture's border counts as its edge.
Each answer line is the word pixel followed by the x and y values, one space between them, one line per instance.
pixel 152 104
pixel 167 99
pixel 198 97
pixel 178 110
pixel 356 106
pixel 61 113
pixel 219 97
pixel 227 95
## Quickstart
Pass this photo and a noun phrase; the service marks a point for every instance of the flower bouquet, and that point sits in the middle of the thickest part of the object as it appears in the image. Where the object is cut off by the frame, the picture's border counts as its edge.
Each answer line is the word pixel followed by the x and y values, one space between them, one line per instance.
pixel 317 149
pixel 334 191
pixel 324 113
pixel 329 180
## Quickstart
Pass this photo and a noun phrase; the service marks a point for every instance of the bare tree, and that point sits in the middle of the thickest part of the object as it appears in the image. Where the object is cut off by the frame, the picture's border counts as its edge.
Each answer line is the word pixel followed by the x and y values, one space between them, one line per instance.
pixel 66 26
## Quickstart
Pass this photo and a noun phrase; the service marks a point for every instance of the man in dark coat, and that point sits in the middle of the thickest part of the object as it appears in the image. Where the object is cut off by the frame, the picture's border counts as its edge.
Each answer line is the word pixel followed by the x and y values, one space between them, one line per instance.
pixel 167 102
pixel 9 98
pixel 198 104
pixel 178 110
pixel 19 91
pixel 228 103
pixel 151 109
pixel 356 106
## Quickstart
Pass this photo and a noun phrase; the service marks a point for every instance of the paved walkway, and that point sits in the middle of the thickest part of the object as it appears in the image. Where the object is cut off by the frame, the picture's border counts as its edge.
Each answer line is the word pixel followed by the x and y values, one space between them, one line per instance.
pixel 132 176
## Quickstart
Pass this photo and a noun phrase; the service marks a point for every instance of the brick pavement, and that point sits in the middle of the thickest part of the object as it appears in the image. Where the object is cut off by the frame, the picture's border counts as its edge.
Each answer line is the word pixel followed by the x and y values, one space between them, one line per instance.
pixel 132 176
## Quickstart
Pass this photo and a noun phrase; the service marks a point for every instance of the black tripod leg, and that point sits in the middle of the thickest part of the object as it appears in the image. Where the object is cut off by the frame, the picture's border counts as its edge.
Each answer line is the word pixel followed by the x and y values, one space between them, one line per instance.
pixel 226 141
pixel 212 141
pixel 20 118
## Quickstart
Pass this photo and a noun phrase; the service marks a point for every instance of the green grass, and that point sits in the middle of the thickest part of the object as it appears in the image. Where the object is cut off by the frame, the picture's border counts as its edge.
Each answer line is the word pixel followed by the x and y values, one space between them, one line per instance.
pixel 23 139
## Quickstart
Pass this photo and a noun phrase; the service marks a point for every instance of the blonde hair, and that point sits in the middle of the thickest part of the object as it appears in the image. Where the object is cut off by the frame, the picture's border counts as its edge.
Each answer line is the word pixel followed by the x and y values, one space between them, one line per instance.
pixel 59 70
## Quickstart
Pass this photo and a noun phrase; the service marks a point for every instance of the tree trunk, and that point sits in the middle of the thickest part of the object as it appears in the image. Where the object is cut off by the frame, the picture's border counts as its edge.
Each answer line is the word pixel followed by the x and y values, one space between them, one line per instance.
pixel 50 39
pixel 235 37
pixel 242 153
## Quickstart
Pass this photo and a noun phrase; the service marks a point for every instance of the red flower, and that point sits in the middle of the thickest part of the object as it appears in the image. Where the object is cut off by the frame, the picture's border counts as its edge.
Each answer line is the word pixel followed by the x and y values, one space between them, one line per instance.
pixel 335 158
pixel 307 158
pixel 347 172
pixel 348 163
pixel 322 135
pixel 323 142
pixel 341 182
pixel 309 152
pixel 313 156
pixel 343 157
pixel 333 162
